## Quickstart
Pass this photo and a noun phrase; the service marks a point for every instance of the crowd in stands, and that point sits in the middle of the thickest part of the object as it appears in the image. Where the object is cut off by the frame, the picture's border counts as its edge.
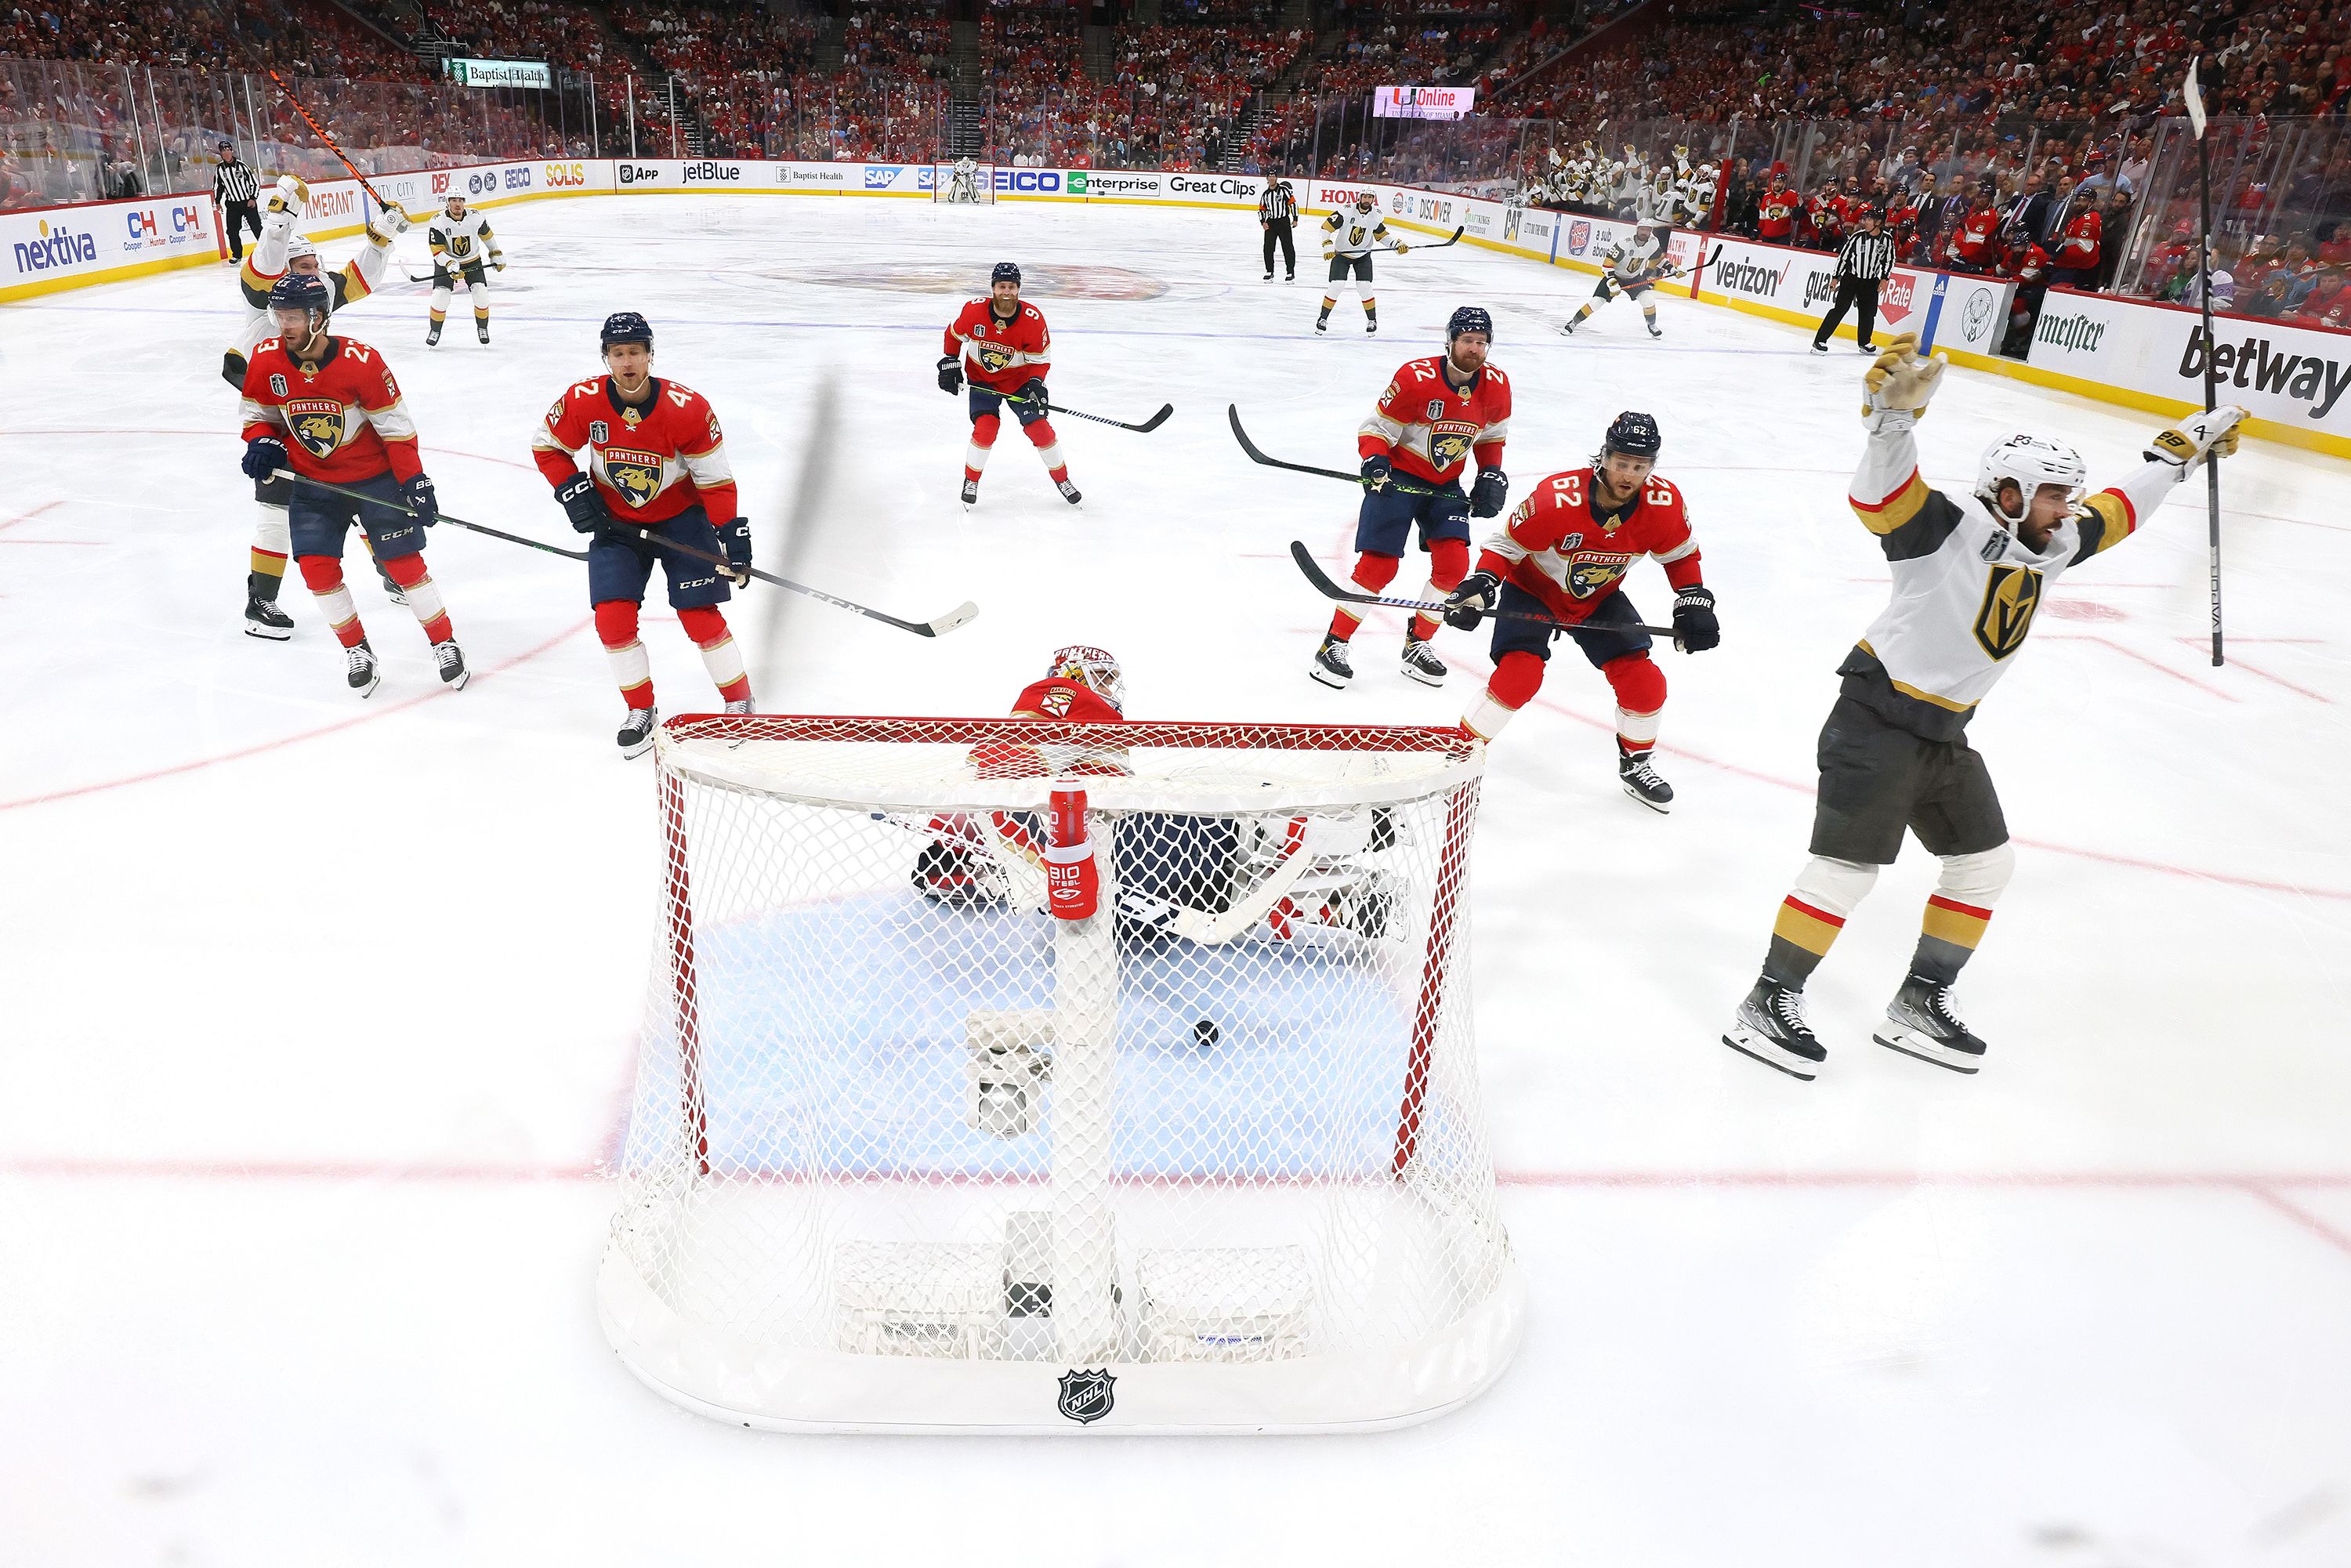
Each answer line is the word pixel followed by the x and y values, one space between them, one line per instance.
pixel 315 41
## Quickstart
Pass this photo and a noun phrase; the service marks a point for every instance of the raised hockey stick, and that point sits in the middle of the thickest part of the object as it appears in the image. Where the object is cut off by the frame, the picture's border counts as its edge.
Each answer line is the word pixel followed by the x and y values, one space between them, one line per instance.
pixel 456 522
pixel 320 132
pixel 1329 589
pixel 1679 271
pixel 962 614
pixel 1233 412
pixel 1145 428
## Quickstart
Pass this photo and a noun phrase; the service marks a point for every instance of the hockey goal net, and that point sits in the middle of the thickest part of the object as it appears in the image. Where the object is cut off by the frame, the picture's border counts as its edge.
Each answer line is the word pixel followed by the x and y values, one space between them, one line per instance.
pixel 916 1145
pixel 976 184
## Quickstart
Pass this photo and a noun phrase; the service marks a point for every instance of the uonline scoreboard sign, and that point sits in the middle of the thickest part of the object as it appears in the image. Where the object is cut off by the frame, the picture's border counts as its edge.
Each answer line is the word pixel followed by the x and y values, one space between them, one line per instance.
pixel 1423 102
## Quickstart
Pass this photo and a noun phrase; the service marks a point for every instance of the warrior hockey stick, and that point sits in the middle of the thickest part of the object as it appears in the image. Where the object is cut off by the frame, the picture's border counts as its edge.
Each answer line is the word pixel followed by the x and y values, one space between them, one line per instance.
pixel 1145 428
pixel 1329 589
pixel 1455 238
pixel 320 133
pixel 1233 412
pixel 962 614
pixel 456 522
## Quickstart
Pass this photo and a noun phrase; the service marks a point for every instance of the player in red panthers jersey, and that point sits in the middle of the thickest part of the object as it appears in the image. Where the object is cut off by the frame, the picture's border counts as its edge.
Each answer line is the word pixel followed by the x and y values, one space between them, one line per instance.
pixel 328 409
pixel 1565 553
pixel 1004 349
pixel 656 471
pixel 1435 415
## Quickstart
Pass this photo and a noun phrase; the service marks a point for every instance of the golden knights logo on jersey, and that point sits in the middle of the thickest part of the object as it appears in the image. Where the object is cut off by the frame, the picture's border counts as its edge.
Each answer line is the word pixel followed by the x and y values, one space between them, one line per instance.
pixel 2011 593
pixel 317 422
pixel 636 474
pixel 993 357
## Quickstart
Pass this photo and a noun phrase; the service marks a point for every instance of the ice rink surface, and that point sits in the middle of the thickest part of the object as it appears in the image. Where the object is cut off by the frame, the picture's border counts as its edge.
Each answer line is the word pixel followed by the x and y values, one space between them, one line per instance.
pixel 319 1013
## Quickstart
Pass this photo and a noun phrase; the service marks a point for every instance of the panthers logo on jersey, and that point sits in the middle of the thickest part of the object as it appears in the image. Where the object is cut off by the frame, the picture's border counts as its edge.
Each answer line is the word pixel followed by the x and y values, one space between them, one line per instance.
pixel 2011 593
pixel 317 423
pixel 993 357
pixel 1449 441
pixel 635 475
pixel 1586 577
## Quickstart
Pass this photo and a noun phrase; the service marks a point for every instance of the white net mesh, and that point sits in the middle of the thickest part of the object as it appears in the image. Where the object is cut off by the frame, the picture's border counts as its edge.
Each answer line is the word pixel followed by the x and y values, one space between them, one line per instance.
pixel 908 1150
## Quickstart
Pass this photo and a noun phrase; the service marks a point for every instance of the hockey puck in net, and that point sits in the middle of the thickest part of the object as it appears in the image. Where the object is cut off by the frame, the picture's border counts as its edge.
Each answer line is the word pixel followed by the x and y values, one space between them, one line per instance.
pixel 1206 1033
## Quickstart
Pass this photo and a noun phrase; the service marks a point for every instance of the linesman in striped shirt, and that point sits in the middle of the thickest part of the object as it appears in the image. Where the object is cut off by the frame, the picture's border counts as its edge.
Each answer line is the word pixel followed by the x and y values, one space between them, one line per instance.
pixel 238 196
pixel 1862 266
pixel 1277 214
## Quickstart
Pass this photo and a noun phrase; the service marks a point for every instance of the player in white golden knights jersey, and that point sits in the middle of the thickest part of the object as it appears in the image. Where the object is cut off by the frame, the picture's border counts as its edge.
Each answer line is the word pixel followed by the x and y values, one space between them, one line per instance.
pixel 1631 267
pixel 462 246
pixel 1894 755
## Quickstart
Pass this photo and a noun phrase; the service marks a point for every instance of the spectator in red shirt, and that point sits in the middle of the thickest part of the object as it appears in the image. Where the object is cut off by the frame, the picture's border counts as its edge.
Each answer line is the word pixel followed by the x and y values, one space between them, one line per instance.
pixel 2080 248
pixel 1974 245
pixel 1776 215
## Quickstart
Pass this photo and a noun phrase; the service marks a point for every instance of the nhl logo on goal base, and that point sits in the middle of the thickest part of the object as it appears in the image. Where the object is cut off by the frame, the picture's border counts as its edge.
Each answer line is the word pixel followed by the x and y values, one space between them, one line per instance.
pixel 1087 1397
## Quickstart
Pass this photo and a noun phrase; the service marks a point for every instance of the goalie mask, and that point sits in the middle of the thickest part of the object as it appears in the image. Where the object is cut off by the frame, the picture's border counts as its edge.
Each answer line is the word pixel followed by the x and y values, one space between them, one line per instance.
pixel 2032 462
pixel 1092 668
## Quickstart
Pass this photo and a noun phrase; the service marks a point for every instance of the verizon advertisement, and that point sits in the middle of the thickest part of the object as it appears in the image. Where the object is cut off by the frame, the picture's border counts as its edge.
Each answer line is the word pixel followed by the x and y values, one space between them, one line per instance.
pixel 2296 376
pixel 44 248
pixel 1946 310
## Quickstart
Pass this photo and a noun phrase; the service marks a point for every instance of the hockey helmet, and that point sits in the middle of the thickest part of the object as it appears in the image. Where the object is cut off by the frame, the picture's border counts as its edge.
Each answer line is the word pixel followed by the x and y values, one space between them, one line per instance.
pixel 301 292
pixel 1004 272
pixel 626 327
pixel 299 249
pixel 455 199
pixel 2030 461
pixel 1468 318
pixel 1092 668
pixel 1634 435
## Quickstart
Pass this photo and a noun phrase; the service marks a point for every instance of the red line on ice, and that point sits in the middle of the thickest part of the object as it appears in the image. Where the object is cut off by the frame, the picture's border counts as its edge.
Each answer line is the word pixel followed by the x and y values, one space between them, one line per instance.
pixel 285 740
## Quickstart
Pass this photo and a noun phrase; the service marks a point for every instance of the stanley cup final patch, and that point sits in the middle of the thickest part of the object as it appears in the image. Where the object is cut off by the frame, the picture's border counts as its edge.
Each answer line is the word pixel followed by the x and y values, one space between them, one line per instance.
pixel 1086 1396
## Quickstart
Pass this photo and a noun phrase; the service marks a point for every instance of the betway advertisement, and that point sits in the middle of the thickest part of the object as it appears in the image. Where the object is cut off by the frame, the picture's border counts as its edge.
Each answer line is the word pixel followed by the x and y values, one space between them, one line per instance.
pixel 40 249
pixel 2297 377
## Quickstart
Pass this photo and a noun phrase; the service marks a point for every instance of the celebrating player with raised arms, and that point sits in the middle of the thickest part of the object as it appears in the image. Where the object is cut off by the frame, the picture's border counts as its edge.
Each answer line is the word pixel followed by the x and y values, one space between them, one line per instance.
pixel 462 244
pixel 1435 416
pixel 1565 553
pixel 280 253
pixel 657 471
pixel 1894 755
pixel 1002 345
pixel 328 409
pixel 1631 267
pixel 1349 238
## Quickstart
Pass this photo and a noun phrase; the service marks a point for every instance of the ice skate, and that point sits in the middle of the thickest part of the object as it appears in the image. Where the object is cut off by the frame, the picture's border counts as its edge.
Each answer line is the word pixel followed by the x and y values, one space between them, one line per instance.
pixel 1641 780
pixel 482 331
pixel 1567 328
pixel 1331 665
pixel 1920 1021
pixel 358 668
pixel 971 492
pixel 636 736
pixel 451 660
pixel 264 618
pixel 1420 661
pixel 1068 492
pixel 1654 330
pixel 432 334
pixel 1770 1027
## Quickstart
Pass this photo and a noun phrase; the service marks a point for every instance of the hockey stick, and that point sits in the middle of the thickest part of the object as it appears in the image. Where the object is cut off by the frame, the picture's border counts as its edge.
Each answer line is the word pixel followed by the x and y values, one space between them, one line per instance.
pixel 1329 589
pixel 1701 267
pixel 1455 238
pixel 320 133
pixel 1145 428
pixel 1233 412
pixel 962 614
pixel 1320 838
pixel 458 522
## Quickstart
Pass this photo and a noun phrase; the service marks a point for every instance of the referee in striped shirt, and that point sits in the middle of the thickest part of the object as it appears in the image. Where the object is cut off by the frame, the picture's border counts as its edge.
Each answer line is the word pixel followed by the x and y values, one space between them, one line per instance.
pixel 1861 266
pixel 238 196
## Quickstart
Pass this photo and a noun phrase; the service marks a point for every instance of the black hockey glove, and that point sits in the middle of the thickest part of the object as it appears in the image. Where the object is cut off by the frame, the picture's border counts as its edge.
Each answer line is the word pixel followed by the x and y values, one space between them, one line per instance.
pixel 1376 468
pixel 950 374
pixel 1695 628
pixel 1032 392
pixel 418 494
pixel 577 495
pixel 735 536
pixel 1467 605
pixel 263 455
pixel 1487 495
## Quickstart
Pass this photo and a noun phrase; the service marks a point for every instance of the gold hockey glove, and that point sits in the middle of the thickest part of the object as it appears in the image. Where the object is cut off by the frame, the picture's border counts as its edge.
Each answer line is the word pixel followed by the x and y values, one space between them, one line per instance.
pixel 1900 381
pixel 2214 433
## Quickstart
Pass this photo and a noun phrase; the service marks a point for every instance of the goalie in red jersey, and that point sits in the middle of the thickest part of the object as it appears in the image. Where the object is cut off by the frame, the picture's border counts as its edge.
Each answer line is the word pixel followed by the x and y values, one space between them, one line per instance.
pixel 1279 877
pixel 1564 554
pixel 1435 415
pixel 1004 349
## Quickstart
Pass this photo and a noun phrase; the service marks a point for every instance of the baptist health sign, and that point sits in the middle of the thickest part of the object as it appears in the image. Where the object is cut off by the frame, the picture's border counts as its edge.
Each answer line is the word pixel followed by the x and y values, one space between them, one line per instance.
pixel 501 73
pixel 1423 102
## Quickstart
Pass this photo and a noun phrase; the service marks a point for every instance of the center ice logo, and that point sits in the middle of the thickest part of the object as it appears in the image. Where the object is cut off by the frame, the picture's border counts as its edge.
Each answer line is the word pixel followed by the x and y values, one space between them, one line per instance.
pixel 636 474
pixel 317 423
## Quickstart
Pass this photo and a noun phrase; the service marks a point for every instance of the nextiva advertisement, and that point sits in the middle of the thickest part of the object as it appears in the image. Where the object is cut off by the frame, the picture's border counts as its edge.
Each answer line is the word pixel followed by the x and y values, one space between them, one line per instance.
pixel 47 247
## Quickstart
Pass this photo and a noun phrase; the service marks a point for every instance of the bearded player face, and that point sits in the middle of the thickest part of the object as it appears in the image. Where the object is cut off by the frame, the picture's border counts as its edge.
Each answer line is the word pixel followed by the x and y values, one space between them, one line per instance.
pixel 1468 352
pixel 1622 475
pixel 1006 295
